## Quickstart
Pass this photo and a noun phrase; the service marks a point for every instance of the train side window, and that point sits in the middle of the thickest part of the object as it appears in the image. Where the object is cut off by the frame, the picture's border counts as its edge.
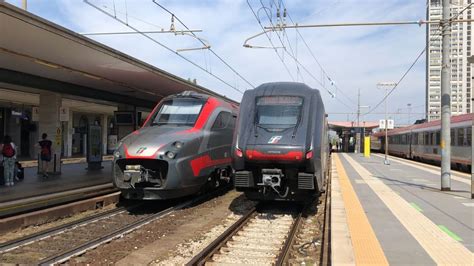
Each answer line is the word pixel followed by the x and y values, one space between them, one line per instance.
pixel 469 136
pixel 460 136
pixel 403 139
pixel 420 138
pixel 453 137
pixel 222 121
pixel 432 138
pixel 426 138
pixel 438 137
pixel 222 130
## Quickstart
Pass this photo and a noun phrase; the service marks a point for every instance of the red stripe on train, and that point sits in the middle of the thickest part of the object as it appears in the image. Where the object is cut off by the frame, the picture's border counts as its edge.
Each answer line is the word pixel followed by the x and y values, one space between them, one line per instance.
pixel 290 156
pixel 205 161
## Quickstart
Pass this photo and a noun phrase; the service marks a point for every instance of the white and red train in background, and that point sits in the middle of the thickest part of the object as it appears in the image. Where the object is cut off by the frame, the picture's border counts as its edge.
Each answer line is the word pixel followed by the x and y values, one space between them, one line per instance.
pixel 422 141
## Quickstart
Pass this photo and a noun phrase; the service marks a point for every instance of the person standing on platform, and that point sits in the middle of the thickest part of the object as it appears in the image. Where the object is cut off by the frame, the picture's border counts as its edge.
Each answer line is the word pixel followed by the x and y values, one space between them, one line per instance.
pixel 2 177
pixel 45 153
pixel 9 159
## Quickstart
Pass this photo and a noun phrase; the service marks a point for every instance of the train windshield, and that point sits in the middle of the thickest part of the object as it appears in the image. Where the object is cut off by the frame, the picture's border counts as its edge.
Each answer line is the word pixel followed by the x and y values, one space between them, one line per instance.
pixel 278 111
pixel 180 112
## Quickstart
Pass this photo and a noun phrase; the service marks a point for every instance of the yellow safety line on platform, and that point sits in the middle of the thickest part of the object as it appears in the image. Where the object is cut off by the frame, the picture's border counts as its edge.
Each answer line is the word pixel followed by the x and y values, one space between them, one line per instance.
pixel 441 247
pixel 367 249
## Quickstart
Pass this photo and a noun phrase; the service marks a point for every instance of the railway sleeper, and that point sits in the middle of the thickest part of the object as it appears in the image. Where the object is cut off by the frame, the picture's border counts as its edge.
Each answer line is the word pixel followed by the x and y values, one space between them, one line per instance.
pixel 248 253
pixel 257 240
pixel 243 258
pixel 261 246
pixel 233 261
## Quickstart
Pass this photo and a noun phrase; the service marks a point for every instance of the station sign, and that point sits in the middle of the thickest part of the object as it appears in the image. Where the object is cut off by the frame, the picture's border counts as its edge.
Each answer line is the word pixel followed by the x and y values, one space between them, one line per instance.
pixel 35 114
pixel 390 124
pixel 63 114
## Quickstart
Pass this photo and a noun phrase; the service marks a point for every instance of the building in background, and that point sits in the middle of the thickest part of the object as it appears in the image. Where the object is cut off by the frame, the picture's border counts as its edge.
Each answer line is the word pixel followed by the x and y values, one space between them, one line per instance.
pixel 461 74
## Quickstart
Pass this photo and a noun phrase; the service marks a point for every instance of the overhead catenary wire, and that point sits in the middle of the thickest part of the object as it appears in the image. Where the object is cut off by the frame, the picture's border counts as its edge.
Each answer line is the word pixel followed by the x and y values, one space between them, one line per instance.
pixel 164 46
pixel 326 75
pixel 269 16
pixel 270 40
pixel 416 60
pixel 296 60
pixel 210 49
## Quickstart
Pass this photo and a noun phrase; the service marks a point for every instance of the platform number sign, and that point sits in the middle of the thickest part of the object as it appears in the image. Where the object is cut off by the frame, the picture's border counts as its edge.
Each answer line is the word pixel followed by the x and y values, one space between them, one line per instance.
pixel 390 124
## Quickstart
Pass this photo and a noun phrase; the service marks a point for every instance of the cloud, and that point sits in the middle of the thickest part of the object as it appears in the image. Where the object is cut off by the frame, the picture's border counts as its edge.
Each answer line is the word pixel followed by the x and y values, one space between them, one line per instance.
pixel 355 57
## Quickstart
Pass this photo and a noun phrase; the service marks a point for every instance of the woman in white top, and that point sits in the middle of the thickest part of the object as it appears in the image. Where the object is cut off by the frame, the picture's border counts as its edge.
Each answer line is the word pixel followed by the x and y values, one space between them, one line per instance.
pixel 9 159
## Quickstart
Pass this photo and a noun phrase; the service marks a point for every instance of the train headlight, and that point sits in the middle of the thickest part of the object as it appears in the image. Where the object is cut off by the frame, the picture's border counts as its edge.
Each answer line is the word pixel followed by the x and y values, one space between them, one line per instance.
pixel 170 155
pixel 178 144
pixel 117 154
pixel 239 153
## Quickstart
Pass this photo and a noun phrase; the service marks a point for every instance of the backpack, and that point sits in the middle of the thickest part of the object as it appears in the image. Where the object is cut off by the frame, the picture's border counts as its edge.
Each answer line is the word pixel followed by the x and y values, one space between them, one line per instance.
pixel 8 150
pixel 45 151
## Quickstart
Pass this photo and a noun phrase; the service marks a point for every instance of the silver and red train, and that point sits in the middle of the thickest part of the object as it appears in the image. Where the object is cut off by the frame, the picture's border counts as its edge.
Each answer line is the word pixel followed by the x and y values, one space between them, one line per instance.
pixel 422 141
pixel 183 148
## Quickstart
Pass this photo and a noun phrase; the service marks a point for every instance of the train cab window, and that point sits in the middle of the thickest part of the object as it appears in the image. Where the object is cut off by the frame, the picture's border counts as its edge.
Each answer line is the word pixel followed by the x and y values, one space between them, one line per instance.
pixel 438 137
pixel 278 112
pixel 178 112
pixel 460 136
pixel 469 136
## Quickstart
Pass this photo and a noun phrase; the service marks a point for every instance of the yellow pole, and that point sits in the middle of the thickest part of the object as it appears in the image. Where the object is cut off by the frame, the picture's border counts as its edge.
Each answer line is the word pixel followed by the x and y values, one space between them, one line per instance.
pixel 367 147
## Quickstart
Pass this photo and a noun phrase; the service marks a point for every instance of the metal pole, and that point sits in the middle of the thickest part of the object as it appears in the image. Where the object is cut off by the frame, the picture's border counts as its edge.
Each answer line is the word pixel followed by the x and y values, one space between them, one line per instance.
pixel 25 5
pixel 409 113
pixel 472 157
pixel 357 149
pixel 445 101
pixel 386 162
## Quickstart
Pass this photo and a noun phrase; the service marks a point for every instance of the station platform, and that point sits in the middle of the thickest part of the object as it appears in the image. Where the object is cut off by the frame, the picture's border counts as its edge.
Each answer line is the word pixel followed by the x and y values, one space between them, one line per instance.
pixel 396 214
pixel 73 176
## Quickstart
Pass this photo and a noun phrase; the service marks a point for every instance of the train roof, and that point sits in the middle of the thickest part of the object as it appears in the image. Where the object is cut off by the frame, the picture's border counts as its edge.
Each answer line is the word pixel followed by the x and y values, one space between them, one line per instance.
pixel 290 88
pixel 436 123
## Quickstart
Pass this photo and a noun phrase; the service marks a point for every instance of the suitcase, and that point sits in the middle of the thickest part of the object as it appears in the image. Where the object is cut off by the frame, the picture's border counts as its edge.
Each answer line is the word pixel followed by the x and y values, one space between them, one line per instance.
pixel 20 171
pixel 2 179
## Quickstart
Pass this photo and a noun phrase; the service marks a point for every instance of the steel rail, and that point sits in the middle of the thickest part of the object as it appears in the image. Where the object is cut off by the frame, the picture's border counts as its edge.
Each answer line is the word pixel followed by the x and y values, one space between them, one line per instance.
pixel 78 250
pixel 325 254
pixel 284 254
pixel 22 241
pixel 215 245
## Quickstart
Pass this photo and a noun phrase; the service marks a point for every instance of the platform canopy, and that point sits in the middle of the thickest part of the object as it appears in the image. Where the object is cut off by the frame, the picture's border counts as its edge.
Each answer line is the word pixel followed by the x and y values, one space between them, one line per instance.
pixel 350 124
pixel 39 54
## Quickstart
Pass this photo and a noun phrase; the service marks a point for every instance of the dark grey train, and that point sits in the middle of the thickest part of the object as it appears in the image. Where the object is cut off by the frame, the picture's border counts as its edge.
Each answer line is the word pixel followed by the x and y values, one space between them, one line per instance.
pixel 183 148
pixel 280 149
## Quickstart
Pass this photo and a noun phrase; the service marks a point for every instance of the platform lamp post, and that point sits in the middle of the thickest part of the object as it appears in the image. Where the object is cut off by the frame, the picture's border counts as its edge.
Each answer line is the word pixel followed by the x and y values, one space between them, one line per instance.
pixel 386 85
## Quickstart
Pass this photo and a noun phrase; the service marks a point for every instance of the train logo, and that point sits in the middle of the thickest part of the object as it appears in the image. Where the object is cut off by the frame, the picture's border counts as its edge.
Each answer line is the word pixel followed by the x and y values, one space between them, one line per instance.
pixel 274 140
pixel 141 150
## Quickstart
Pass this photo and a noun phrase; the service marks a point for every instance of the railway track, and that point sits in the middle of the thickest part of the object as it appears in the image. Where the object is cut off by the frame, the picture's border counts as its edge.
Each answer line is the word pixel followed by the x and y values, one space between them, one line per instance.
pixel 269 236
pixel 59 244
pixel 261 237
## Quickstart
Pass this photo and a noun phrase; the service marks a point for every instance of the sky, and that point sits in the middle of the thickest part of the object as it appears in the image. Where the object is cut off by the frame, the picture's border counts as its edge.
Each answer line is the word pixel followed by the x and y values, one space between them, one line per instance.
pixel 354 58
